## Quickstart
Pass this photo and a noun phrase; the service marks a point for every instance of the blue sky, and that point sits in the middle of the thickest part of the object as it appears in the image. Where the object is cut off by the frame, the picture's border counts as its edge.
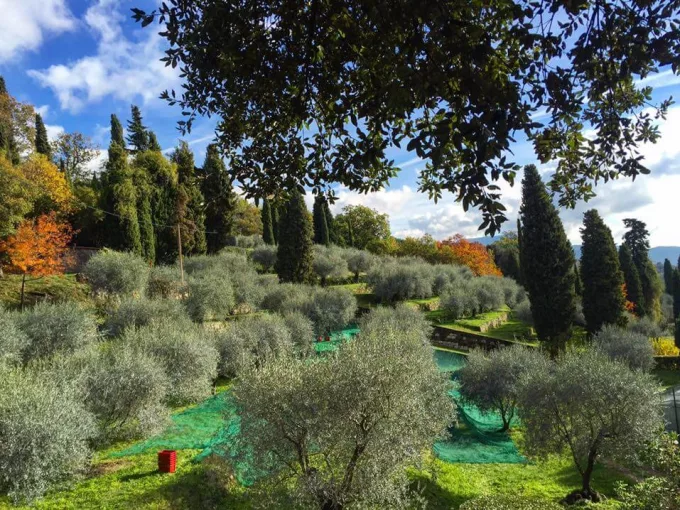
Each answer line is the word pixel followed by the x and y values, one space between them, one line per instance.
pixel 79 61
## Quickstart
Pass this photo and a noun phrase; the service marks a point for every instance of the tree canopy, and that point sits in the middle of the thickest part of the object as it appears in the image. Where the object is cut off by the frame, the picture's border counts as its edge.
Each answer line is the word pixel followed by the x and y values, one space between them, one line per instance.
pixel 455 81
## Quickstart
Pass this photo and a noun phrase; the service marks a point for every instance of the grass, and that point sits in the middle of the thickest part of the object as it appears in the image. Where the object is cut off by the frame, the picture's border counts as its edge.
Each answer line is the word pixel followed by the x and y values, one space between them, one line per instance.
pixel 668 378
pixel 58 288
pixel 365 299
pixel 512 329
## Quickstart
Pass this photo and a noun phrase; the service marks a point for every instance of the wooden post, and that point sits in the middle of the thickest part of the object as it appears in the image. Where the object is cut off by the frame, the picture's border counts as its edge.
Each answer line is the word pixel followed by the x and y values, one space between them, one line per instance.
pixel 23 287
pixel 179 246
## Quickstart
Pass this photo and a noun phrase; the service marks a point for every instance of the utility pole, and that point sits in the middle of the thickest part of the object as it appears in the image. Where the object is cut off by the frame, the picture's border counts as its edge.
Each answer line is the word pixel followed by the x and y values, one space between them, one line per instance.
pixel 179 247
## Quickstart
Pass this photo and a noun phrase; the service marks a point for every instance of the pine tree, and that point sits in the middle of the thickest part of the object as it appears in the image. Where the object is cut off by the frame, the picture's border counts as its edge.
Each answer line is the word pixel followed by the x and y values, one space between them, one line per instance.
pixel 321 234
pixel 668 276
pixel 637 239
pixel 603 301
pixel 138 136
pixel 42 142
pixel 632 278
pixel 267 224
pixel 220 201
pixel 295 252
pixel 153 142
pixel 117 131
pixel 548 260
pixel 189 202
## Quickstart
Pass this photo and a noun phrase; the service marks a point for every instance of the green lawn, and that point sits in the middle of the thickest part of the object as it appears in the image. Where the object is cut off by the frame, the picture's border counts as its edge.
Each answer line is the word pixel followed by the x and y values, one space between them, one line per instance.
pixel 512 329
pixel 668 378
pixel 61 288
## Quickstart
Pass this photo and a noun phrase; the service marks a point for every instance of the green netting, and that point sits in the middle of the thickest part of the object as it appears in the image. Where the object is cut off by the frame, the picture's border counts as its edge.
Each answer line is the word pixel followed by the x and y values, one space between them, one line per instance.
pixel 476 439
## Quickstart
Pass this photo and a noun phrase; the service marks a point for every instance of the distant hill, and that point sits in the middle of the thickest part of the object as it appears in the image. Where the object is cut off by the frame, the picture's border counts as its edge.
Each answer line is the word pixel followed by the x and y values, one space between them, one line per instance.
pixel 657 254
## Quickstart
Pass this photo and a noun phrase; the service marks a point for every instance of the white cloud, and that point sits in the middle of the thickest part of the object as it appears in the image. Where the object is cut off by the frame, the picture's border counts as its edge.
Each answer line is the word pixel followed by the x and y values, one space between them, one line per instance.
pixel 24 24
pixel 53 131
pixel 123 69
pixel 659 80
pixel 43 110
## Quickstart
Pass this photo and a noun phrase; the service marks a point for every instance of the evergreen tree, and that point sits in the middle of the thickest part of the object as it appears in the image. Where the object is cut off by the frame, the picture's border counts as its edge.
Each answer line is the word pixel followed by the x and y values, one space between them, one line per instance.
pixel 153 142
pixel 330 223
pixel 295 252
pixel 321 234
pixel 146 227
pixel 547 260
pixel 631 277
pixel 267 224
pixel 42 142
pixel 578 283
pixel 117 131
pixel 668 276
pixel 189 202
pixel 7 142
pixel 519 250
pixel 637 239
pixel 603 301
pixel 220 201
pixel 276 216
pixel 138 136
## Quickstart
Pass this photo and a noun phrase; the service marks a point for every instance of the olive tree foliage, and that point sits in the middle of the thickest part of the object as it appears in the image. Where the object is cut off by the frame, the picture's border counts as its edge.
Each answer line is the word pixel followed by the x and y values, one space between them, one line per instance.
pixel 137 312
pixel 117 273
pixel 522 311
pixel 358 261
pixel 209 298
pixel 186 354
pixel 252 342
pixel 44 431
pixel 13 341
pixel 59 327
pixel 399 280
pixel 468 298
pixel 265 256
pixel 627 346
pixel 164 282
pixel 645 326
pixel 327 426
pixel 328 263
pixel 400 318
pixel 590 405
pixel 301 332
pixel 491 380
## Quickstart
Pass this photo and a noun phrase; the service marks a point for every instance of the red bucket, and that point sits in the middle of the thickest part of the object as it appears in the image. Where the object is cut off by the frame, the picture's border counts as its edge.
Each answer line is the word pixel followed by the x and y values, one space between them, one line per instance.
pixel 167 461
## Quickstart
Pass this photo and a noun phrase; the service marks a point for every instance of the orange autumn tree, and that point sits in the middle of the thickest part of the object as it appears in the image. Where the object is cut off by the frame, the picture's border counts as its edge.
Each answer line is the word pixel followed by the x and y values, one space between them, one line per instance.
pixel 37 248
pixel 458 250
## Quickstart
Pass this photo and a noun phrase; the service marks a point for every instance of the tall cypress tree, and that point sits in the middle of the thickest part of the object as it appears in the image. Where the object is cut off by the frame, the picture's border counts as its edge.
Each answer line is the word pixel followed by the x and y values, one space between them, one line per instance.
pixel 189 202
pixel 603 302
pixel 7 141
pixel 267 224
pixel 294 255
pixel 637 239
pixel 146 227
pixel 42 142
pixel 330 223
pixel 117 131
pixel 220 200
pixel 578 282
pixel 138 136
pixel 124 233
pixel 321 234
pixel 548 261
pixel 668 276
pixel 276 216
pixel 631 277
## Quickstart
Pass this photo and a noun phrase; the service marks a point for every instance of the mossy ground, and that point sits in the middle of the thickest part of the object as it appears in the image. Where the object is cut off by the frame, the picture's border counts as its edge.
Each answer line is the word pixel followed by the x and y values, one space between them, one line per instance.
pixel 56 288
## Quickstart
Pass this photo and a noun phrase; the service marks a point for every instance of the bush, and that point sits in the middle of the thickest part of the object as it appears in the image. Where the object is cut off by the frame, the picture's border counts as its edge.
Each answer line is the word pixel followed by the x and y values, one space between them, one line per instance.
pixel 665 347
pixel 330 309
pixel 447 275
pixel 646 327
pixel 187 357
pixel 13 341
pixel 44 433
pixel 248 242
pixel 210 298
pixel 489 293
pixel 301 332
pixel 512 292
pixel 125 391
pixel 164 282
pixel 248 291
pixel 140 312
pixel 58 327
pixel 400 280
pixel 459 302
pixel 501 502
pixel 522 312
pixel 358 261
pixel 265 256
pixel 287 297
pixel 118 273
pixel 328 263
pixel 633 349
pixel 400 318
pixel 223 265
pixel 252 342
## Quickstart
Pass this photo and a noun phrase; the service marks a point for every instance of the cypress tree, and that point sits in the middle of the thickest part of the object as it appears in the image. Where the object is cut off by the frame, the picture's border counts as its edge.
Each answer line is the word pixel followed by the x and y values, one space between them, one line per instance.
pixel 123 199
pixel 294 255
pixel 578 283
pixel 668 276
pixel 220 201
pixel 146 227
pixel 632 279
pixel 330 223
pixel 189 202
pixel 117 131
pixel 7 142
pixel 603 302
pixel 350 233
pixel 153 142
pixel 267 224
pixel 42 142
pixel 547 259
pixel 321 234
pixel 138 136
pixel 637 239
pixel 276 216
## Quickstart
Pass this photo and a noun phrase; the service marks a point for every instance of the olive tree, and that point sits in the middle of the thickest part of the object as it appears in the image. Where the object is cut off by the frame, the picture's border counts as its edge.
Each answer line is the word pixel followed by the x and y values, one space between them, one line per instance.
pixel 301 332
pixel 328 263
pixel 137 312
pixel 343 430
pixel 330 309
pixel 399 280
pixel 458 302
pixel 265 256
pixel 164 282
pixel 633 349
pixel 359 261
pixel 117 273
pixel 592 406
pixel 490 380
pixel 210 298
pixel 13 340
pixel 401 318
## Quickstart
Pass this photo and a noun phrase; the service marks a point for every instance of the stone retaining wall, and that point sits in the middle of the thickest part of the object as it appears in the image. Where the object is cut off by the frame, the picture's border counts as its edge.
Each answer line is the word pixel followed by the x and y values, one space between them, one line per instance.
pixel 462 341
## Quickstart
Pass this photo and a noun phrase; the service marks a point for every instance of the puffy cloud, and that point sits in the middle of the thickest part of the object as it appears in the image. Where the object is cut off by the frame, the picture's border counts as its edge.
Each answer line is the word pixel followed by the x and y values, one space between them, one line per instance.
pixel 24 24
pixel 53 131
pixel 121 68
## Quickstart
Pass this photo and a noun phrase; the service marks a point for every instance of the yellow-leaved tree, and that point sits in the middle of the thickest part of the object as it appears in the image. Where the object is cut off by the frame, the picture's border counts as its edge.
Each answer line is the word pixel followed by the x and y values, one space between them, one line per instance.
pixel 50 187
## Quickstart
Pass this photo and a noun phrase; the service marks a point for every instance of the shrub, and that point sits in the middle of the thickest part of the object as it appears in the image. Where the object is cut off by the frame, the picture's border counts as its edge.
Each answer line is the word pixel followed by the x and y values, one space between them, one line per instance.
pixel 448 275
pixel 210 298
pixel 223 265
pixel 512 292
pixel 13 340
pixel 301 332
pixel 459 302
pixel 58 327
pixel 489 292
pixel 645 326
pixel 164 282
pixel 400 318
pixel 125 391
pixel 249 242
pixel 118 273
pixel 248 291
pixel 44 433
pixel 187 357
pixel 286 297
pixel 358 261
pixel 140 312
pixel 400 280
pixel 502 502
pixel 665 347
pixel 328 263
pixel 265 256
pixel 330 309
pixel 252 342
pixel 522 312
pixel 633 349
